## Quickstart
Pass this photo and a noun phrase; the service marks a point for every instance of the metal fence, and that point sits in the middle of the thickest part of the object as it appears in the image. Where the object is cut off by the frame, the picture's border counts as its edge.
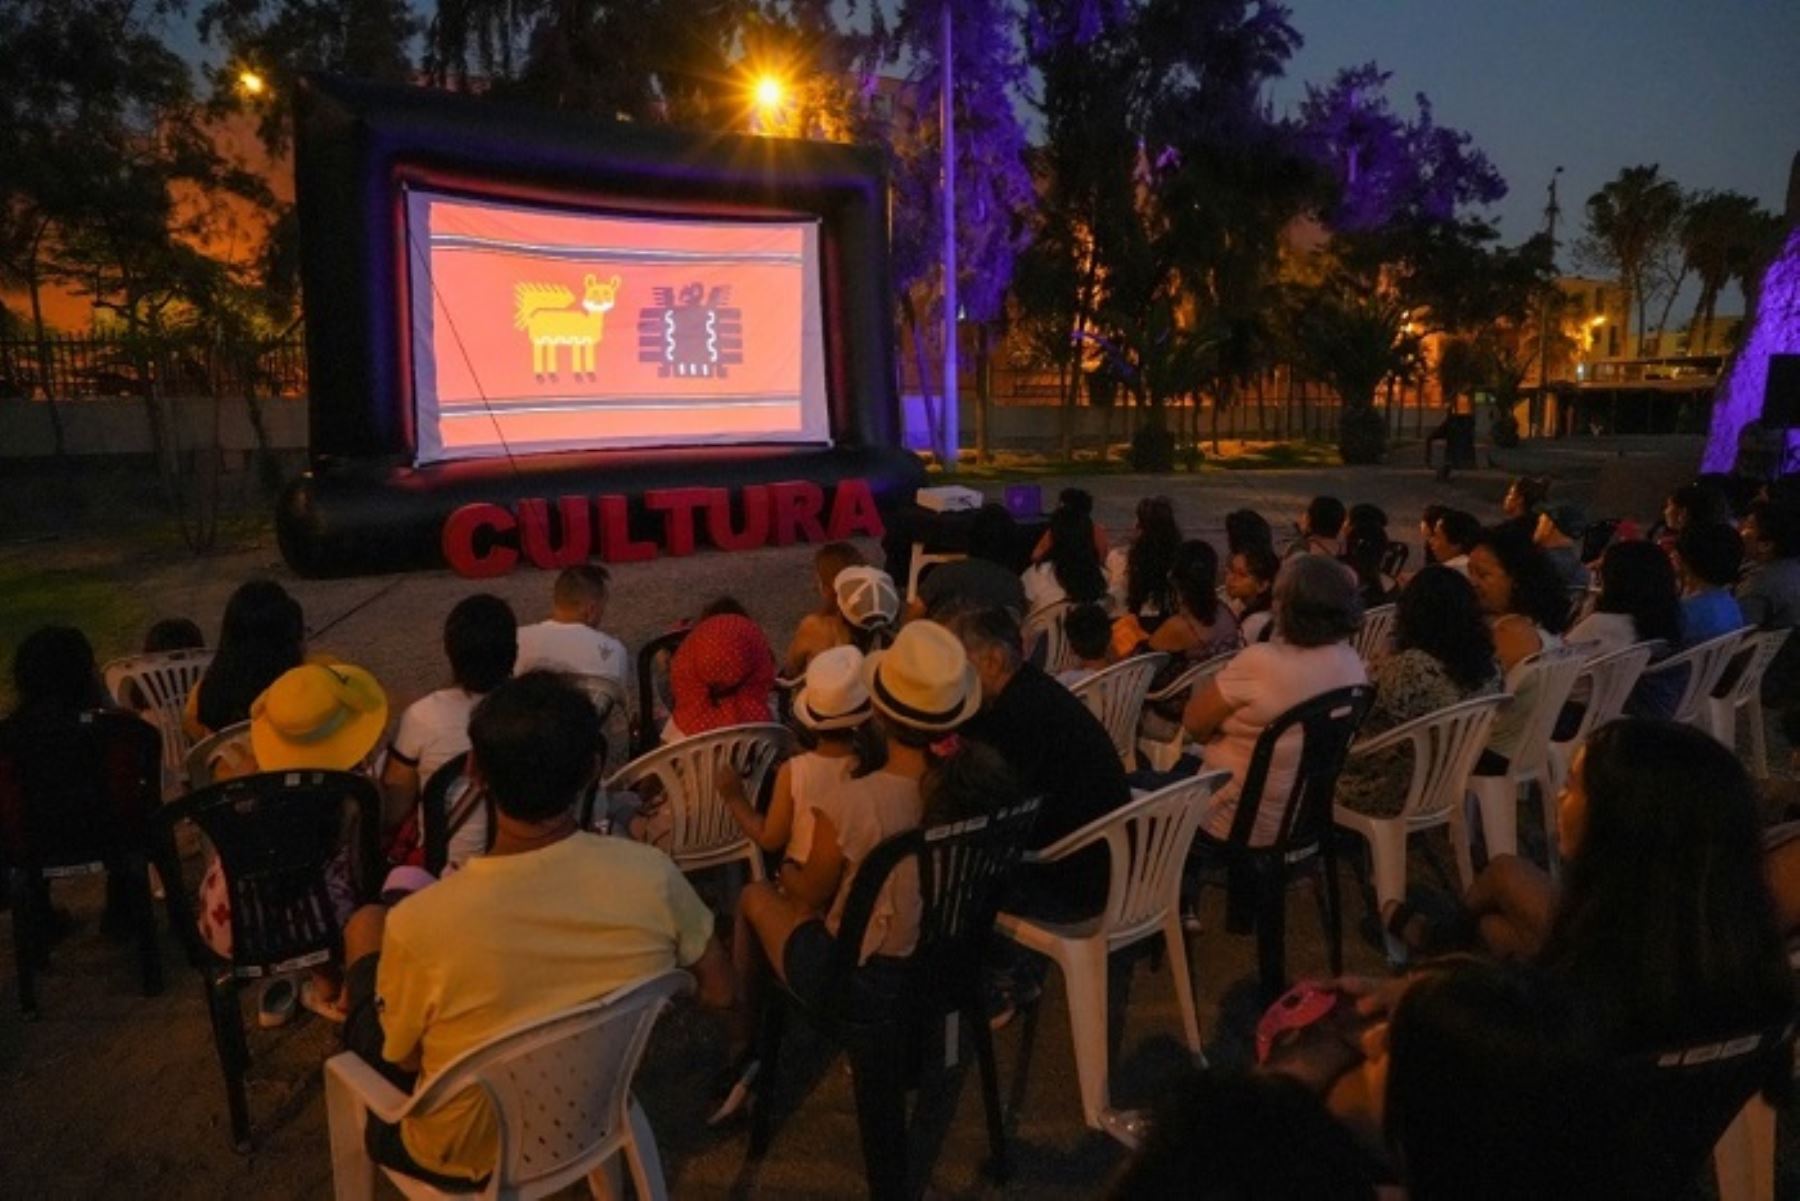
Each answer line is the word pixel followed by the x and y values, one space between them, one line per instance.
pixel 82 368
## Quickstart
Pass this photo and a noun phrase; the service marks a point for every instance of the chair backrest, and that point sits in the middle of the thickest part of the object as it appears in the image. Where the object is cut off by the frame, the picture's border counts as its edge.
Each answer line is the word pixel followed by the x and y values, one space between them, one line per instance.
pixel 1148 842
pixel 1375 639
pixel 1046 642
pixel 1657 1116
pixel 1327 723
pixel 1542 683
pixel 1393 559
pixel 648 728
pixel 964 868
pixel 204 757
pixel 1115 695
pixel 1445 745
pixel 1610 677
pixel 445 806
pixel 1703 663
pixel 1192 678
pixel 689 771
pixel 276 833
pixel 1752 662
pixel 1581 601
pixel 161 683
pixel 559 1087
pixel 614 706
pixel 75 791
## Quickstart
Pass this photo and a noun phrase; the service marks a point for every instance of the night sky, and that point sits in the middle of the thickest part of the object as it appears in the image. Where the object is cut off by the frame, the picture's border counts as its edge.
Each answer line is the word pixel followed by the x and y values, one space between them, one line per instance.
pixel 1709 90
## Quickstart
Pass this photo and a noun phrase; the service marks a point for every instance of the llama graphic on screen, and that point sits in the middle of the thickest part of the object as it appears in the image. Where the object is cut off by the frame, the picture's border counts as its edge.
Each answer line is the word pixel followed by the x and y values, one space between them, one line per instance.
pixel 691 334
pixel 550 318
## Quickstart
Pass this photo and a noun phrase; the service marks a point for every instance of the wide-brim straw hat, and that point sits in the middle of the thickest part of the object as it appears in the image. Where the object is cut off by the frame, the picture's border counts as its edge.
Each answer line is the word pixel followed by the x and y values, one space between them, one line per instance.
pixel 833 695
pixel 322 716
pixel 925 680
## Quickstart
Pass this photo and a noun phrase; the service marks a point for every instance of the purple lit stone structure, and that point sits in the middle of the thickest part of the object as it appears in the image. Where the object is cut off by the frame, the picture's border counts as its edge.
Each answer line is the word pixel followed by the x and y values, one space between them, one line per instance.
pixel 1775 329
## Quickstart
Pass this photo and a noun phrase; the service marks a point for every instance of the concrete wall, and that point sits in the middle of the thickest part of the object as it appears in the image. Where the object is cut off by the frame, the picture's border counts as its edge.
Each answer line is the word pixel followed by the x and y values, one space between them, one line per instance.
pixel 121 426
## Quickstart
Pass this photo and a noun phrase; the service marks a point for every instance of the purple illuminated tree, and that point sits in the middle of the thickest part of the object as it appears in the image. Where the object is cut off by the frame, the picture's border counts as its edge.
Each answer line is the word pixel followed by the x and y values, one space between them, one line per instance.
pixel 994 192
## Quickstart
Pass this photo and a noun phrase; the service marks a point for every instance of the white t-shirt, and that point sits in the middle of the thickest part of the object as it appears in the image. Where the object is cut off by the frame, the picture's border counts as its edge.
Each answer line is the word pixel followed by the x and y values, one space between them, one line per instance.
pixel 864 812
pixel 1264 681
pixel 434 730
pixel 1602 633
pixel 572 647
pixel 1041 587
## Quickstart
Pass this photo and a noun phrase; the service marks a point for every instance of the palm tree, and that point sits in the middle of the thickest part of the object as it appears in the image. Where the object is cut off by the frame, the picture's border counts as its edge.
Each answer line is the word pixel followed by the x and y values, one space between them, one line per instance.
pixel 1629 223
pixel 1354 342
pixel 1719 233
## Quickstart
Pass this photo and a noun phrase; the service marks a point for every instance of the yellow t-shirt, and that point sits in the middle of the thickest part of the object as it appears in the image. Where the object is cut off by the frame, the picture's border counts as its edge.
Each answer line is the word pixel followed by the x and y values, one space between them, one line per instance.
pixel 513 938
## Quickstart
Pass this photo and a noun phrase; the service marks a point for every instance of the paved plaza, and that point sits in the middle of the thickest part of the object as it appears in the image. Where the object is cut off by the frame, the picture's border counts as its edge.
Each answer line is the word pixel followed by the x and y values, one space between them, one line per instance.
pixel 114 1095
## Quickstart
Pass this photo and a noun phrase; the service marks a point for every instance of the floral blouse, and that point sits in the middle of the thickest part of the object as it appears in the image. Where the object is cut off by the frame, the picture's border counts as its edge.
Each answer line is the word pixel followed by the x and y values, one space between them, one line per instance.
pixel 1409 684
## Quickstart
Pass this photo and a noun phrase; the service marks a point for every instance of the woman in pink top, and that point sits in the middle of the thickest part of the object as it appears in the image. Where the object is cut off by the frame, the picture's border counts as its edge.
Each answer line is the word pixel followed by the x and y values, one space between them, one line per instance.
pixel 1316 611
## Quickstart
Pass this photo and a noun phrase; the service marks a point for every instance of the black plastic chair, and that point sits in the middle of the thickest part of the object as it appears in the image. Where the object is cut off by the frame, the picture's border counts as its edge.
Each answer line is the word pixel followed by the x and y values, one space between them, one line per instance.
pixel 963 869
pixel 1259 875
pixel 445 806
pixel 649 734
pixel 76 798
pixel 1393 559
pixel 275 834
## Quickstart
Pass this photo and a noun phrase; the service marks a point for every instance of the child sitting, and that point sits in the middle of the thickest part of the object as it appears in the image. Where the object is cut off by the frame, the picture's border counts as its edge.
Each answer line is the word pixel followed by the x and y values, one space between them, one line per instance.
pixel 1089 631
pixel 869 604
pixel 825 626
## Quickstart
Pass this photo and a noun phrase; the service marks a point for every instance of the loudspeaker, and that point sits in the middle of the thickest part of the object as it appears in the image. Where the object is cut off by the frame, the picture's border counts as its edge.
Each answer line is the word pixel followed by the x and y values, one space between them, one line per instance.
pixel 1781 396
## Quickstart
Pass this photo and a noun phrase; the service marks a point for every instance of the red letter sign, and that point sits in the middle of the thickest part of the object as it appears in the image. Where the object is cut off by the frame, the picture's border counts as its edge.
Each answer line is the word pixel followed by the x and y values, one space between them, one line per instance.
pixel 756 518
pixel 459 534
pixel 797 504
pixel 534 532
pixel 853 511
pixel 678 526
pixel 616 545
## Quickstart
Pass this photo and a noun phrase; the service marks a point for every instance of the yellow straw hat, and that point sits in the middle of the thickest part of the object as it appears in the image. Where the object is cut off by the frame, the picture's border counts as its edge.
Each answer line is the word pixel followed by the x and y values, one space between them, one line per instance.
pixel 325 716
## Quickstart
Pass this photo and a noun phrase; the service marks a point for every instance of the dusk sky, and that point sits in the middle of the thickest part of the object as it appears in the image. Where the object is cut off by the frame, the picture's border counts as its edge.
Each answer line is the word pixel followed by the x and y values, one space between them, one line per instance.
pixel 1709 90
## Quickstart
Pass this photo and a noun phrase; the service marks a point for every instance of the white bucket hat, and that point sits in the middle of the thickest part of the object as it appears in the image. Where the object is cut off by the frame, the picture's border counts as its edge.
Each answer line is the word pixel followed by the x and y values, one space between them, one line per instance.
pixel 833 695
pixel 925 680
pixel 866 596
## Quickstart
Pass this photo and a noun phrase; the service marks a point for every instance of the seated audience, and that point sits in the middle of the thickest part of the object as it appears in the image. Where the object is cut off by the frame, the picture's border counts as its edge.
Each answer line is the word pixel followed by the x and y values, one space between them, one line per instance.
pixel 1078 506
pixel 1443 655
pixel 1696 504
pixel 1528 609
pixel 721 675
pixel 838 740
pixel 262 635
pixel 824 627
pixel 1320 527
pixel 571 640
pixel 987 579
pixel 481 643
pixel 550 918
pixel 1138 576
pixel 1089 631
pixel 1245 529
pixel 1452 538
pixel 1638 602
pixel 1365 546
pixel 1559 529
pixel 869 605
pixel 922 688
pixel 1428 520
pixel 1250 590
pixel 1769 593
pixel 1524 497
pixel 1202 625
pixel 1068 569
pixel 1707 558
pixel 1316 612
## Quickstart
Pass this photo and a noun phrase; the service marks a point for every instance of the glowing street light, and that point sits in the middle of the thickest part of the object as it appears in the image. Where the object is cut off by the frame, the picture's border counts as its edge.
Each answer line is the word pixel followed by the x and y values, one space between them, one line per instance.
pixel 770 93
pixel 251 82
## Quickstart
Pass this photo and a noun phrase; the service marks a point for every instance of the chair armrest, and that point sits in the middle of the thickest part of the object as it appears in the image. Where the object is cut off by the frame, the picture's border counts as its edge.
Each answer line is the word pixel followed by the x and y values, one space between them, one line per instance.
pixel 376 1092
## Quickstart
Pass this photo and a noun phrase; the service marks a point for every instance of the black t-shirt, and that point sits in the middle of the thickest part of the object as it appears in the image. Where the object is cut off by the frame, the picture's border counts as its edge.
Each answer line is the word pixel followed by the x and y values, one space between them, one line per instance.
pixel 1063 754
pixel 975 582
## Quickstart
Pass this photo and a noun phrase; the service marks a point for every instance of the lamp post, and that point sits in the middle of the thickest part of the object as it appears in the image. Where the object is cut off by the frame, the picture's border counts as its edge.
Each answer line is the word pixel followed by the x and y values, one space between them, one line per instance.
pixel 1550 214
pixel 947 119
pixel 769 95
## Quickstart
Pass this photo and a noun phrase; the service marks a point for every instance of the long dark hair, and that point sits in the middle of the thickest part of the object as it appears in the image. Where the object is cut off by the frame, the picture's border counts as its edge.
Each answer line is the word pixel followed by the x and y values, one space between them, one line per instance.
pixel 1151 556
pixel 1537 591
pixel 1072 555
pixel 1246 529
pixel 1637 579
pixel 262 636
pixel 1439 613
pixel 54 674
pixel 1665 926
pixel 1194 578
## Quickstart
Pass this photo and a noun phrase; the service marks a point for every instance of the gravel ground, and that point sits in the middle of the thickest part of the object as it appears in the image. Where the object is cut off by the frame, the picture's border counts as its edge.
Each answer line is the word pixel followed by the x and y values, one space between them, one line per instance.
pixel 111 1094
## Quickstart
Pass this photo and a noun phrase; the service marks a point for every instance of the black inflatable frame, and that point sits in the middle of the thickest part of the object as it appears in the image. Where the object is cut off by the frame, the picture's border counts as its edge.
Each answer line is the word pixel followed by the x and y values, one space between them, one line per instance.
pixel 363 507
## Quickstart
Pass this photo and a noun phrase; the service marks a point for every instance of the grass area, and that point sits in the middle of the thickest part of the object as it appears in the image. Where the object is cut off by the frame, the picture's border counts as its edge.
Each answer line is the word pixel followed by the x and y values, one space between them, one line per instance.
pixel 1234 455
pixel 32 595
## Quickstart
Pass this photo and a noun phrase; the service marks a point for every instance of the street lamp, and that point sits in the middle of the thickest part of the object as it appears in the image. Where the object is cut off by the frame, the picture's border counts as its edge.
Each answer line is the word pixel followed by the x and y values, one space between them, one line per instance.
pixel 251 83
pixel 769 92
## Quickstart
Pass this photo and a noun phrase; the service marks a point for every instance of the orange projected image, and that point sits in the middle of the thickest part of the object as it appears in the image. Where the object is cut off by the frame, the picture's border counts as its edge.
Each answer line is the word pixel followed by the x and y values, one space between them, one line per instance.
pixel 540 329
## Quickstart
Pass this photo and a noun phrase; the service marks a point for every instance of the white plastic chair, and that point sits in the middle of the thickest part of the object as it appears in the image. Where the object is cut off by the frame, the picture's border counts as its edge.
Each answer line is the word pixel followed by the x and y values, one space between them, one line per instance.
pixel 1610 679
pixel 204 756
pixel 1147 843
pixel 1115 695
pixel 560 1089
pixel 1045 625
pixel 1160 754
pixel 1375 639
pixel 1745 694
pixel 1706 662
pixel 921 559
pixel 1445 745
pixel 162 682
pixel 702 833
pixel 1549 676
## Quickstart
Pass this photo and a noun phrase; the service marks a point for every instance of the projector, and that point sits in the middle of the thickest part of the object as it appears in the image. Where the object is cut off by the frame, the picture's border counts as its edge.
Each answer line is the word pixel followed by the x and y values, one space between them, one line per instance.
pixel 952 498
